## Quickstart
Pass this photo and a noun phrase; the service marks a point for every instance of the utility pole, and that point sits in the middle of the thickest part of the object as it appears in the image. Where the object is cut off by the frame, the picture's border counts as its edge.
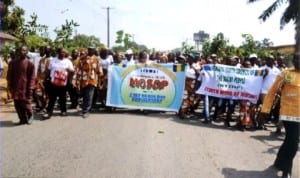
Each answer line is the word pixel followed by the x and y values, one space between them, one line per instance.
pixel 107 10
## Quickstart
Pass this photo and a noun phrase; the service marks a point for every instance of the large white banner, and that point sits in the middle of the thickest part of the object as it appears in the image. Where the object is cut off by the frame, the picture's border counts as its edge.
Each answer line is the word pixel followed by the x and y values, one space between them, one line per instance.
pixel 231 82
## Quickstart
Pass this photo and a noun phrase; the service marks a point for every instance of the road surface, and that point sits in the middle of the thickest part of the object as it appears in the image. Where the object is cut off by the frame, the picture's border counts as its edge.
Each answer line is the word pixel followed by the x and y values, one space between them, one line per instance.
pixel 130 144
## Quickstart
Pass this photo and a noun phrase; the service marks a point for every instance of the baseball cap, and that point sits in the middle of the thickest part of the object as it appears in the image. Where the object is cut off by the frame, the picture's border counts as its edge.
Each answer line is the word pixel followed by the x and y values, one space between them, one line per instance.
pixel 253 55
pixel 129 51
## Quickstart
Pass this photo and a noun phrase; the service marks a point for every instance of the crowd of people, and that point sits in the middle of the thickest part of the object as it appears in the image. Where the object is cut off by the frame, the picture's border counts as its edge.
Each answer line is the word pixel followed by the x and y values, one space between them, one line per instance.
pixel 82 76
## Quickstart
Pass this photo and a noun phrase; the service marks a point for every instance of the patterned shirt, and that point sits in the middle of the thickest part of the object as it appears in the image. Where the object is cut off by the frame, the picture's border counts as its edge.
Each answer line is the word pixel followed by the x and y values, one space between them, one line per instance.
pixel 88 72
pixel 43 65
pixel 72 77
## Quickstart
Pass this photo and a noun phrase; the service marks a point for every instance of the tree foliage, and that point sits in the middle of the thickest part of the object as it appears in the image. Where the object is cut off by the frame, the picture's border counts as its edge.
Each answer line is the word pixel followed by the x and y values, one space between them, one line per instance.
pixel 64 33
pixel 186 48
pixel 291 13
pixel 13 20
pixel 123 39
pixel 31 29
pixel 82 40
pixel 35 41
pixel 219 44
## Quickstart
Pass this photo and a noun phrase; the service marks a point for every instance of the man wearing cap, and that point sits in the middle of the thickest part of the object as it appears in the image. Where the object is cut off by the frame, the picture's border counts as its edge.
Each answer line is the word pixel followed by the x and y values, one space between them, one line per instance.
pixel 253 60
pixel 128 58
pixel 214 58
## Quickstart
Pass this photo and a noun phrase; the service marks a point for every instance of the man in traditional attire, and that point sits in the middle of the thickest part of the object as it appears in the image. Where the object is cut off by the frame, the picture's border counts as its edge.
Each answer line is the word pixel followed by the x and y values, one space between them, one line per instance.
pixel 21 82
pixel 288 85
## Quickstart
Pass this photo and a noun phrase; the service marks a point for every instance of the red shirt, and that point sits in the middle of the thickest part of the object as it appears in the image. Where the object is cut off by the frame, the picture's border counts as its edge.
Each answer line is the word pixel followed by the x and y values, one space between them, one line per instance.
pixel 21 79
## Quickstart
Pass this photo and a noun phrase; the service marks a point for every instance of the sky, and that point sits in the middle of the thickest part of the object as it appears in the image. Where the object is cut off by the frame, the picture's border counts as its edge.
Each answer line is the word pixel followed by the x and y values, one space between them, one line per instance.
pixel 163 24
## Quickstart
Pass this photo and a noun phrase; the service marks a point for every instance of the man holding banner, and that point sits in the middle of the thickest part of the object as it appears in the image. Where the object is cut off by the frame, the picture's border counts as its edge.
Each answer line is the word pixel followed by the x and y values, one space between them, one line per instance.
pixel 146 86
pixel 230 82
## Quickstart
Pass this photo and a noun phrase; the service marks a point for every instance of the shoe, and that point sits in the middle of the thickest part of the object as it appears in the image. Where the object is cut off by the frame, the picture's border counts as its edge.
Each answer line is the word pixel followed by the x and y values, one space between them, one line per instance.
pixel 227 124
pixel 30 120
pixel 206 121
pixel 63 114
pixel 183 116
pixel 272 170
pixel 278 131
pixel 46 116
pixel 286 175
pixel 72 107
pixel 85 115
pixel 19 123
pixel 145 112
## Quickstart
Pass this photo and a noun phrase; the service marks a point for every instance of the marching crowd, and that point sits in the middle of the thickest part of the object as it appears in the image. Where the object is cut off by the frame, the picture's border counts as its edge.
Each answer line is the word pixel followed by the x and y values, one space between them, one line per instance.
pixel 82 76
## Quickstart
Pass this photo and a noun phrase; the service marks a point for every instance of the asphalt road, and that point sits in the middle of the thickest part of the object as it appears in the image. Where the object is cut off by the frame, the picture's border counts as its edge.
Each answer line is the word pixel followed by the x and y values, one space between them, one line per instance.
pixel 130 144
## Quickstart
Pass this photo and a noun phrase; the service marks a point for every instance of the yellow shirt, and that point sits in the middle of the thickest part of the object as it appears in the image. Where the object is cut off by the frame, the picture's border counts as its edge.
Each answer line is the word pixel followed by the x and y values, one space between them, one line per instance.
pixel 290 95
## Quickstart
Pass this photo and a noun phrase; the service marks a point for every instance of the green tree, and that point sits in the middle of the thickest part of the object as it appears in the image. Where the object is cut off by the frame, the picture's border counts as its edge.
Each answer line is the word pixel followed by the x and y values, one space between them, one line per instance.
pixel 249 45
pixel 123 39
pixel 206 48
pixel 11 16
pixel 32 28
pixel 84 41
pixel 64 33
pixel 265 43
pixel 291 13
pixel 13 21
pixel 6 48
pixel 186 48
pixel 35 41
pixel 219 45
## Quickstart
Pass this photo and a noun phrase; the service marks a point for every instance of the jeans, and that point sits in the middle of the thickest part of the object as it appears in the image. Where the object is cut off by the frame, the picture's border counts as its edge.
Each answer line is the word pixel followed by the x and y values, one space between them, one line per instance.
pixel 221 104
pixel 87 96
pixel 206 107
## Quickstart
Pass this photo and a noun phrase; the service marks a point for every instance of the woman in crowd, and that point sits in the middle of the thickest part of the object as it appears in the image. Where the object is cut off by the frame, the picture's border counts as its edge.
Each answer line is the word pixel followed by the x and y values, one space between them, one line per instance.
pixel 58 70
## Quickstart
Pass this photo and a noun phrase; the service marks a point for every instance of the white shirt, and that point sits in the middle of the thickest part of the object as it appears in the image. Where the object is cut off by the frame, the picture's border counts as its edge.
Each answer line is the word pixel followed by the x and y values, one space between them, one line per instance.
pixel 60 66
pixel 107 62
pixel 130 62
pixel 35 59
pixel 190 72
pixel 270 78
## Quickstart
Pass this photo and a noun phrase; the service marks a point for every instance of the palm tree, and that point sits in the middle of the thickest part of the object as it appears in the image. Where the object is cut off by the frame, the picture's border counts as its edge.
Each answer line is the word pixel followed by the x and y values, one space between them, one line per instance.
pixel 291 13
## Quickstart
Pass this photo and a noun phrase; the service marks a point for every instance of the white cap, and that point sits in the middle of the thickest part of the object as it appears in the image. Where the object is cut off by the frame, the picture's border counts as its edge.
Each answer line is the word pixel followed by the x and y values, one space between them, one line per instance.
pixel 129 51
pixel 253 55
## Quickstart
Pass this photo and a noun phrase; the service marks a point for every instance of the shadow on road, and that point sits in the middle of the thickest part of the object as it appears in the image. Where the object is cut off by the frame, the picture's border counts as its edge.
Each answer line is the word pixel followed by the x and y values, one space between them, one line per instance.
pixel 7 124
pixel 272 137
pixel 234 173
